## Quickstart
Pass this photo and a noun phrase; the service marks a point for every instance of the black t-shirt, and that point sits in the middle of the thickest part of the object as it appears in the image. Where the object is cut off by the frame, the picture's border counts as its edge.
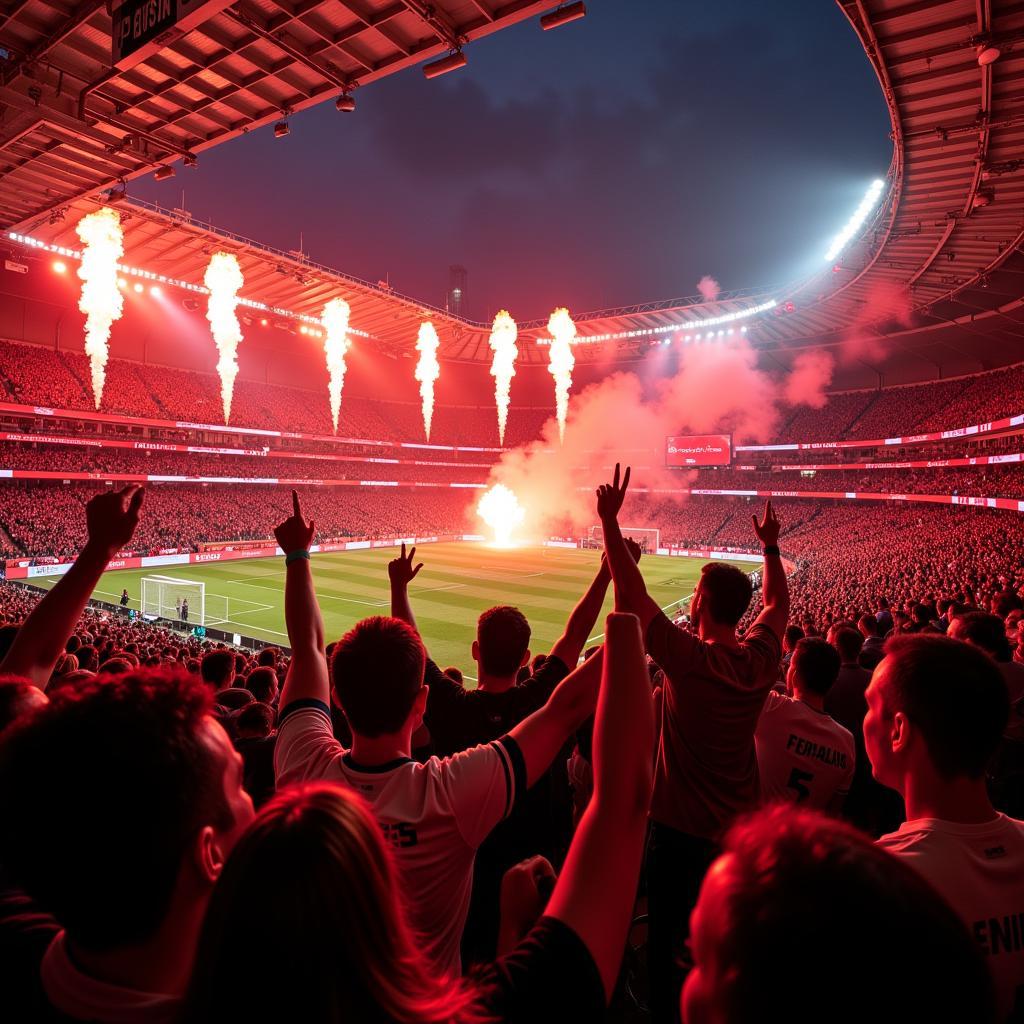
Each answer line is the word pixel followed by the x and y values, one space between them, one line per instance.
pixel 458 718
pixel 549 976
pixel 26 932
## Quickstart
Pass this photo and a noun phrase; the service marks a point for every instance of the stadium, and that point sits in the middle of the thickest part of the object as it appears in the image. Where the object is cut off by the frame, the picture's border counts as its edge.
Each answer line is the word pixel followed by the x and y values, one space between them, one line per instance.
pixel 872 409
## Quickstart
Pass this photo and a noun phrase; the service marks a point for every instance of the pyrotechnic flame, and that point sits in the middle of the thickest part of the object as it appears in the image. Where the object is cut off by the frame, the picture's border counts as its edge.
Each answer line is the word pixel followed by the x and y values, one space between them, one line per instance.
pixel 427 370
pixel 224 279
pixel 499 508
pixel 503 366
pixel 561 362
pixel 101 300
pixel 336 344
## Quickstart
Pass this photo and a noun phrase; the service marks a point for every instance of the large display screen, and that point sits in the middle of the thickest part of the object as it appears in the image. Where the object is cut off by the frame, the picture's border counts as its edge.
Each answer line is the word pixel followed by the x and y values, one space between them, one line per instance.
pixel 699 450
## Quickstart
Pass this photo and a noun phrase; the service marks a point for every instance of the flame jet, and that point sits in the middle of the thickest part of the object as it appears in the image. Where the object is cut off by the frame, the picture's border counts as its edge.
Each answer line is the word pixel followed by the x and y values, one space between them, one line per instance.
pixel 427 370
pixel 499 508
pixel 336 345
pixel 224 279
pixel 561 362
pixel 101 299
pixel 503 366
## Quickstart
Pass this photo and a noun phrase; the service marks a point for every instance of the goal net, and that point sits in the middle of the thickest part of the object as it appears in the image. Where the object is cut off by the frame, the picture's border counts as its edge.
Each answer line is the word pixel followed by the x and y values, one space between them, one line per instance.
pixel 167 597
pixel 648 539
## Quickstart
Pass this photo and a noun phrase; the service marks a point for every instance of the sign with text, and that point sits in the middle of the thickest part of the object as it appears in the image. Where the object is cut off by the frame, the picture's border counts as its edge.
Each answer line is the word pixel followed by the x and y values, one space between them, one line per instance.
pixel 699 450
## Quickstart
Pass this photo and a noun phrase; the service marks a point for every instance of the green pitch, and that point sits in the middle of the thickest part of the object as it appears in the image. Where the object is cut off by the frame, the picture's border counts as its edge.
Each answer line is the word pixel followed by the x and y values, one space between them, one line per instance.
pixel 457 583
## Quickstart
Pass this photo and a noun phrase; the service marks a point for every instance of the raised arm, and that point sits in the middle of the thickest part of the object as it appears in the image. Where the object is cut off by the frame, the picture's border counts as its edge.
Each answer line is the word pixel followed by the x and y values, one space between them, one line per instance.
pixel 401 573
pixel 307 673
pixel 544 733
pixel 595 893
pixel 111 519
pixel 569 646
pixel 774 586
pixel 630 590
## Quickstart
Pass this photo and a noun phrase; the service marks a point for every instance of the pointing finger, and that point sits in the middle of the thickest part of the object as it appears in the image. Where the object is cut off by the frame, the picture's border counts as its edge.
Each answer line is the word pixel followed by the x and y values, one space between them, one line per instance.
pixel 295 505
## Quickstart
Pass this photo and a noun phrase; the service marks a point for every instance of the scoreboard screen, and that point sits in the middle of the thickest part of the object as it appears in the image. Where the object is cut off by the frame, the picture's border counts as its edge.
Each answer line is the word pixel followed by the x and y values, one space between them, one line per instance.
pixel 699 450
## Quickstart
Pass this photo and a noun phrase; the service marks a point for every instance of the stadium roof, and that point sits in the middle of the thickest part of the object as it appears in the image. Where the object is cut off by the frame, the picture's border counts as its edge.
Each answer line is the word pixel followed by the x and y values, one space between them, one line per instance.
pixel 938 270
pixel 75 122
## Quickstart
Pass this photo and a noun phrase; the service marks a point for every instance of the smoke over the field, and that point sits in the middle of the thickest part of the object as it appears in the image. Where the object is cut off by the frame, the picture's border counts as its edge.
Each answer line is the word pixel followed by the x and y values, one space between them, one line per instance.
pixel 708 288
pixel 810 375
pixel 716 388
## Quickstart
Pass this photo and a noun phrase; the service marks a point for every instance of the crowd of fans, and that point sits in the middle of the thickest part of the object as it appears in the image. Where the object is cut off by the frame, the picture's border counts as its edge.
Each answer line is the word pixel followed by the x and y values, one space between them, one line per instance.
pixel 61 379
pixel 44 520
pixel 830 772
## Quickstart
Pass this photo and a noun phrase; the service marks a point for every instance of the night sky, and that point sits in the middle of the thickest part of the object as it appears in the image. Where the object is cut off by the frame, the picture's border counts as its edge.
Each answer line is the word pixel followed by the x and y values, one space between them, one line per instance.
pixel 615 160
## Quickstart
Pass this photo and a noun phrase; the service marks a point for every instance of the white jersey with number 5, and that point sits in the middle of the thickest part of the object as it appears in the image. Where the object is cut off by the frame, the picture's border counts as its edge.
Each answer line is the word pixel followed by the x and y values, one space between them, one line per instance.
pixel 803 755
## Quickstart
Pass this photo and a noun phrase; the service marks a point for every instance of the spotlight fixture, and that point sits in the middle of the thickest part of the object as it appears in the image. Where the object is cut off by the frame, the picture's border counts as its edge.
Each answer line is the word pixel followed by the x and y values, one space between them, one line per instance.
pixel 154 290
pixel 281 129
pixel 163 172
pixel 137 287
pixel 455 60
pixel 985 197
pixel 987 54
pixel 60 267
pixel 346 103
pixel 190 160
pixel 563 15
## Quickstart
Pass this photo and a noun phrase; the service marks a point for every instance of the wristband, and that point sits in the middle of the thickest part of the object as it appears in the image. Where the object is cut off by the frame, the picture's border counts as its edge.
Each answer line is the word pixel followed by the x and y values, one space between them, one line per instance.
pixel 769 549
pixel 293 556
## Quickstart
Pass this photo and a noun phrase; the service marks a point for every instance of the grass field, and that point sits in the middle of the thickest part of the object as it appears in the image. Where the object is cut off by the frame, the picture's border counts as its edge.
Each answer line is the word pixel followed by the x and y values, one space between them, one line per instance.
pixel 457 583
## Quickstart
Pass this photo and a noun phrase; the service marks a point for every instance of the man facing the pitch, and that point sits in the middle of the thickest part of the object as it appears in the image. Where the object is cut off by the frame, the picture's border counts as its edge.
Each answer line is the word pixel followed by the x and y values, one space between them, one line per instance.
pixel 716 685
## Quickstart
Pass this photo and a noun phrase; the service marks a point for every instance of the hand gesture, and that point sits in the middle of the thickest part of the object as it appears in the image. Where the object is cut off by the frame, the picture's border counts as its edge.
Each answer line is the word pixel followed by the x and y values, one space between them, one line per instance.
pixel 400 569
pixel 610 496
pixel 768 529
pixel 525 890
pixel 295 534
pixel 633 548
pixel 111 517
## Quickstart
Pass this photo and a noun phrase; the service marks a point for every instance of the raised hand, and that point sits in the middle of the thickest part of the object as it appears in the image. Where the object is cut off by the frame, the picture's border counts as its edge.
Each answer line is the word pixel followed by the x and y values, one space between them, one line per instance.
pixel 295 534
pixel 633 548
pixel 768 529
pixel 525 890
pixel 400 569
pixel 111 517
pixel 611 496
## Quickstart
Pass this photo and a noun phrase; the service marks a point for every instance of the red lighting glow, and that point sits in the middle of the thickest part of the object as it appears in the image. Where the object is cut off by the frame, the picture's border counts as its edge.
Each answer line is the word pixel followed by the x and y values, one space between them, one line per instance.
pixel 60 267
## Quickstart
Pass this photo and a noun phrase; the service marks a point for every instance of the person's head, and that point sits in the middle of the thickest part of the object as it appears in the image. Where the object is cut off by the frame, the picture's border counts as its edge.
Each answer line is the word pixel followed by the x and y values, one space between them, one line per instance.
pixel 502 644
pixel 377 672
pixel 868 626
pixel 88 658
pixel 984 631
pixel 262 684
pixel 7 634
pixel 937 708
pixel 343 950
pixel 233 698
pixel 120 799
pixel 116 665
pixel 791 636
pixel 267 658
pixel 848 642
pixel 254 721
pixel 873 939
pixel 813 668
pixel 722 596
pixel 18 697
pixel 218 669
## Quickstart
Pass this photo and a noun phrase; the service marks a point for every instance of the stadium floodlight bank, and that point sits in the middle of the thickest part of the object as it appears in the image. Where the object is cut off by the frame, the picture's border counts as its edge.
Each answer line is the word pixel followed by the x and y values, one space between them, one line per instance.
pixel 648 539
pixel 164 597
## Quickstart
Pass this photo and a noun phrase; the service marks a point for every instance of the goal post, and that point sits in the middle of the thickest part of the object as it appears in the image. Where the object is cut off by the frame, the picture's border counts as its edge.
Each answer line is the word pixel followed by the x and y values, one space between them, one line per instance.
pixel 168 597
pixel 648 538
